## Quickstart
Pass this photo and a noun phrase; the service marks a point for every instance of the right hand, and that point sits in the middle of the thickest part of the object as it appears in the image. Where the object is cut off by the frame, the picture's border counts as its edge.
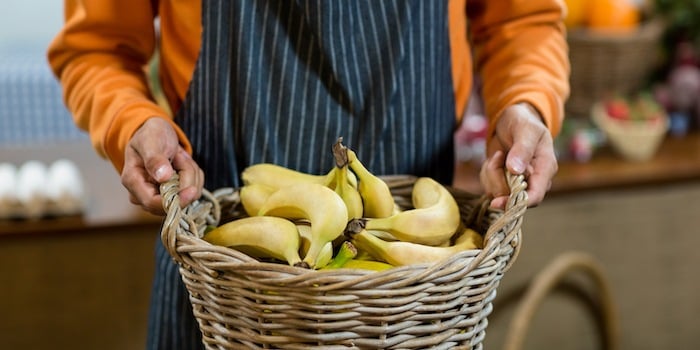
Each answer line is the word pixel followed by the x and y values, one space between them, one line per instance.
pixel 153 156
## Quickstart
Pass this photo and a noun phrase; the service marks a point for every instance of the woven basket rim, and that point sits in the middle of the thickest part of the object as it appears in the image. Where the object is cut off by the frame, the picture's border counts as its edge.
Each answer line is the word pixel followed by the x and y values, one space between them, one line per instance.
pixel 509 220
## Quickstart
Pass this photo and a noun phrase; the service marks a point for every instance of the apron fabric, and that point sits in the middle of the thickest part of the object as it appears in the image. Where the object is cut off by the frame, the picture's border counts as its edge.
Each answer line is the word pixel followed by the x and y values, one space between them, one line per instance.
pixel 280 81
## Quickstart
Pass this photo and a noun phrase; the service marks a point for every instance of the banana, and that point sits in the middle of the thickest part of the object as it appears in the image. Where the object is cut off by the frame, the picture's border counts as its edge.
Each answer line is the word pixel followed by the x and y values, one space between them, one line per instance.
pixel 316 203
pixel 470 235
pixel 432 225
pixel 366 265
pixel 326 254
pixel 277 176
pixel 343 185
pixel 253 196
pixel 346 252
pixel 426 192
pixel 261 236
pixel 377 199
pixel 400 253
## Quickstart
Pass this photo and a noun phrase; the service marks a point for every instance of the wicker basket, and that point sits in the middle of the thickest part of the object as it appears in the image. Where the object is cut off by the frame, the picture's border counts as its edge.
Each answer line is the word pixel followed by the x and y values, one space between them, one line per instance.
pixel 241 303
pixel 610 64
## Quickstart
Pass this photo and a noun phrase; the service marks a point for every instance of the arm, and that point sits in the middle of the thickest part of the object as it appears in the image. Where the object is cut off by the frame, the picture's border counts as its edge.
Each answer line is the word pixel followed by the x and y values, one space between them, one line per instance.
pixel 100 58
pixel 521 55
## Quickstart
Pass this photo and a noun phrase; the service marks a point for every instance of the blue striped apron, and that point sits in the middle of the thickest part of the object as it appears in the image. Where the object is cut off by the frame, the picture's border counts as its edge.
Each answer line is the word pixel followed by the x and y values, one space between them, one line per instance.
pixel 280 81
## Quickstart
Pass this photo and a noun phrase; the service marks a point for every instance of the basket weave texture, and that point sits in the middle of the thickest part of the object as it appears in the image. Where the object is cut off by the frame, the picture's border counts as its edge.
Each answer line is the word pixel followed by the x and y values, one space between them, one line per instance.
pixel 610 64
pixel 242 303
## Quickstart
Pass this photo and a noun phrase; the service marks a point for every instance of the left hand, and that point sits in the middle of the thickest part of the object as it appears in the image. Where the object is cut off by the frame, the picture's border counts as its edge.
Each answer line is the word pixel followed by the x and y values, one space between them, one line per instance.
pixel 522 144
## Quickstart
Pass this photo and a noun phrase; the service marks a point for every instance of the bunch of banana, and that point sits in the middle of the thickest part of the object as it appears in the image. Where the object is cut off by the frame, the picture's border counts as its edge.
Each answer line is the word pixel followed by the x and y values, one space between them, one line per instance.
pixel 399 253
pixel 311 212
pixel 433 221
pixel 260 236
pixel 318 204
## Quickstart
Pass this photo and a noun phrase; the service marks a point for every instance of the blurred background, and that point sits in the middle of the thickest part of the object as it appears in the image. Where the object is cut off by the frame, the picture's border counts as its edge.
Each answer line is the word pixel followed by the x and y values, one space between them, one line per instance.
pixel 75 271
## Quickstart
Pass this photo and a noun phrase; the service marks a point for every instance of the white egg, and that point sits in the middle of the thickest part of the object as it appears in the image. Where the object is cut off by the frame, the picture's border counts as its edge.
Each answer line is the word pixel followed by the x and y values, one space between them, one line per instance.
pixel 65 187
pixel 64 180
pixel 8 182
pixel 31 188
pixel 31 180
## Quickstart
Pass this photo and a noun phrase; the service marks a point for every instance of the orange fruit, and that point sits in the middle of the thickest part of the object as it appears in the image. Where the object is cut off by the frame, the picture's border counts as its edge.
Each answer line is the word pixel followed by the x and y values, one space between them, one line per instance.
pixel 576 13
pixel 613 16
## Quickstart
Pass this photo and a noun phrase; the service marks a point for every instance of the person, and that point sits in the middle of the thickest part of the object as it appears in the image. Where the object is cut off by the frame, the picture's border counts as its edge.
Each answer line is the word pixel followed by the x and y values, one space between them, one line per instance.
pixel 278 81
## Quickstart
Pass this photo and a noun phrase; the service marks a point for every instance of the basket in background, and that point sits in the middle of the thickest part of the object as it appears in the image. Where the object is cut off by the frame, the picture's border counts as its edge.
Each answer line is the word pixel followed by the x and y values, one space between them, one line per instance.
pixel 633 140
pixel 242 303
pixel 604 64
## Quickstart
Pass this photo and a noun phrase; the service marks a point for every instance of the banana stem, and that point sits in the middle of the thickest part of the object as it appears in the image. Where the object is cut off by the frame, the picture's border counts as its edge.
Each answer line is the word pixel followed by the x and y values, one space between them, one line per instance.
pixel 354 227
pixel 346 252
pixel 340 153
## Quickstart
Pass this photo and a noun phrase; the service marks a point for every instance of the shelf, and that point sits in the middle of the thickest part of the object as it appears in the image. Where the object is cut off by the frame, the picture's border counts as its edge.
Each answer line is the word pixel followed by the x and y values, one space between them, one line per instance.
pixel 678 159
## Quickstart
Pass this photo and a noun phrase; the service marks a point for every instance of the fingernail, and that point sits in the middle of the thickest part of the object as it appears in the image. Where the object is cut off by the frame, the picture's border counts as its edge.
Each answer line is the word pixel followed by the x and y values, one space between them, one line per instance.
pixel 160 173
pixel 517 165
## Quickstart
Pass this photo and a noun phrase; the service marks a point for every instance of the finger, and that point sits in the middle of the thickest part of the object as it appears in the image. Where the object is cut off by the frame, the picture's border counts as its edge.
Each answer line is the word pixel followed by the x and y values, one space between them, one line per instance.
pixel 522 152
pixel 540 179
pixel 492 175
pixel 151 207
pixel 142 192
pixel 191 177
pixel 499 202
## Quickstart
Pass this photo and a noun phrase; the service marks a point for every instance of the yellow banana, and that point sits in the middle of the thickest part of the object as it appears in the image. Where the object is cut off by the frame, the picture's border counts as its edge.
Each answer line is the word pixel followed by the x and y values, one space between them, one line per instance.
pixel 326 254
pixel 399 253
pixel 261 236
pixel 316 203
pixel 343 186
pixel 470 235
pixel 346 252
pixel 426 192
pixel 366 265
pixel 377 199
pixel 253 196
pixel 432 225
pixel 277 176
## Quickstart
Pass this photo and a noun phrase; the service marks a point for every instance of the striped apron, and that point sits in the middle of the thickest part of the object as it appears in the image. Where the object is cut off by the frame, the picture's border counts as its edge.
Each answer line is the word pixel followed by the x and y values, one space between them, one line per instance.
pixel 280 81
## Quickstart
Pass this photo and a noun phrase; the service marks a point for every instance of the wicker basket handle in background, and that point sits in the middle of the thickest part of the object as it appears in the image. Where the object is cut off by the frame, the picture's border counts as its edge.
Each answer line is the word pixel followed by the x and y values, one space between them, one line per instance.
pixel 545 281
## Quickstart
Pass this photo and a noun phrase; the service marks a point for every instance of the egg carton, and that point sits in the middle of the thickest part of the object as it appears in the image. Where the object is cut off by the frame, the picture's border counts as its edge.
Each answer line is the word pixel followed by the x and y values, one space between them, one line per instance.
pixel 36 190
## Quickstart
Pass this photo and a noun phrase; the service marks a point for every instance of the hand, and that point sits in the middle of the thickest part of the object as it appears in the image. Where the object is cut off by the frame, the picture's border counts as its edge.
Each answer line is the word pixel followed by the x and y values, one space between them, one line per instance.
pixel 523 145
pixel 152 157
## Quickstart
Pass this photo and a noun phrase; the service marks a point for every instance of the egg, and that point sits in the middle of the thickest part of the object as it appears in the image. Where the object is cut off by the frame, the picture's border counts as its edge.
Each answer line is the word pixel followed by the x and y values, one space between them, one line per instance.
pixel 65 186
pixel 31 188
pixel 8 195
pixel 8 182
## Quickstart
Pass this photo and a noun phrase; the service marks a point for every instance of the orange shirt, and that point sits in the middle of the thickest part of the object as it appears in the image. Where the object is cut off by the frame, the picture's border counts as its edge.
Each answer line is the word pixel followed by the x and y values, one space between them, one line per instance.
pixel 102 53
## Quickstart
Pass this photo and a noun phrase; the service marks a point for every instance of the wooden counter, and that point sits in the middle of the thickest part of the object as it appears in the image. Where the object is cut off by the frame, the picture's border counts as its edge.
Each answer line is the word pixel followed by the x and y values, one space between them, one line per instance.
pixel 79 282
pixel 677 160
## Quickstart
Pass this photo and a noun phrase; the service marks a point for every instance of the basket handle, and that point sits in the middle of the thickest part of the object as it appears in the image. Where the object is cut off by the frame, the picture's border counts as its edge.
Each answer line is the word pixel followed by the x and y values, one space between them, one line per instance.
pixel 511 220
pixel 175 214
pixel 546 280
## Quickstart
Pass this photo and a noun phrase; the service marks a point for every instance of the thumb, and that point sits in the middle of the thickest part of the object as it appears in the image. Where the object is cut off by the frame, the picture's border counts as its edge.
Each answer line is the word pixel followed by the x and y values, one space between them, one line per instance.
pixel 520 155
pixel 159 167
pixel 156 143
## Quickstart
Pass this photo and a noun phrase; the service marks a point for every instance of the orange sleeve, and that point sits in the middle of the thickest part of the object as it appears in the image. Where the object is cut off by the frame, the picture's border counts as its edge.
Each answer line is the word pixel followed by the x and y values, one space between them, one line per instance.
pixel 100 57
pixel 522 56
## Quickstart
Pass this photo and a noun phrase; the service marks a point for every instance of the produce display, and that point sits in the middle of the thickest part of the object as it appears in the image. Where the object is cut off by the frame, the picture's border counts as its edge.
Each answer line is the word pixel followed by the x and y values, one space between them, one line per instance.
pixel 34 189
pixel 346 218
